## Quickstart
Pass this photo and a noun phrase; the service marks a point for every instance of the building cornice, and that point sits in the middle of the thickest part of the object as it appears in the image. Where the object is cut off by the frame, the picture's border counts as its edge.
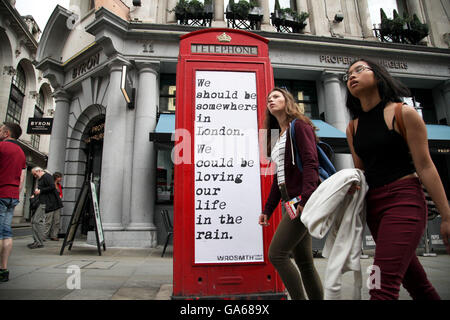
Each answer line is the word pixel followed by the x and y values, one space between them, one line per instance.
pixel 105 19
pixel 52 70
pixel 178 30
pixel 18 25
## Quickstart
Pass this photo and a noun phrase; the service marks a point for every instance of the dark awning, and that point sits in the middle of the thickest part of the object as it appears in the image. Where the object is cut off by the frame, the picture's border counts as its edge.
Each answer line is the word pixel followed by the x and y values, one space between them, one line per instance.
pixel 438 138
pixel 438 135
pixel 164 128
pixel 327 133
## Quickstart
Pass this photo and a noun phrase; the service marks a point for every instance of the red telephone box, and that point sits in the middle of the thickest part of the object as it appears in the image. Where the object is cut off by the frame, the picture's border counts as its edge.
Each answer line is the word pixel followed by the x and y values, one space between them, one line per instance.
pixel 221 185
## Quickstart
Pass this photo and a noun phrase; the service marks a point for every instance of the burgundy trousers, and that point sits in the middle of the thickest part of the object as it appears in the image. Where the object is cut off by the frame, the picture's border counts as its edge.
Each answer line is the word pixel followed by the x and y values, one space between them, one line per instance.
pixel 396 216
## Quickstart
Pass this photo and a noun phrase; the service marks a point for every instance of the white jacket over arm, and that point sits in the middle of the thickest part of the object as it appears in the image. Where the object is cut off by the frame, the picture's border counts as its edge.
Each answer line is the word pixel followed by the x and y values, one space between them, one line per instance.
pixel 330 209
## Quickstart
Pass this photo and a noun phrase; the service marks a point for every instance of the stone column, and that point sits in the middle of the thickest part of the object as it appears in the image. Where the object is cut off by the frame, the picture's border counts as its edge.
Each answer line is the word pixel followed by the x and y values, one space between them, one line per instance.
pixel 334 101
pixel 58 138
pixel 113 159
pixel 265 24
pixel 142 210
pixel 415 7
pixel 171 15
pixel 335 111
pixel 219 9
pixel 302 6
pixel 365 20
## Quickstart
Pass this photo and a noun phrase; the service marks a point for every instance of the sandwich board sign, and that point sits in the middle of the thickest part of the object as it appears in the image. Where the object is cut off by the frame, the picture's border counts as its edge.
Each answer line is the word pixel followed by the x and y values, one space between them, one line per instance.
pixel 87 204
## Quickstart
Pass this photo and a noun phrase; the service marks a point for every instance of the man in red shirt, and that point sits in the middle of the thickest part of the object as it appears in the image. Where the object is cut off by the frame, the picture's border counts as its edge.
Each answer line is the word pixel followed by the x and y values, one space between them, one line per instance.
pixel 12 176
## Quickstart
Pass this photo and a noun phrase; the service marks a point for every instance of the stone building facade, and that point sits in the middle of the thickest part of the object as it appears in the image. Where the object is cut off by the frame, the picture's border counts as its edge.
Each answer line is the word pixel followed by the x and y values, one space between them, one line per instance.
pixel 24 93
pixel 97 137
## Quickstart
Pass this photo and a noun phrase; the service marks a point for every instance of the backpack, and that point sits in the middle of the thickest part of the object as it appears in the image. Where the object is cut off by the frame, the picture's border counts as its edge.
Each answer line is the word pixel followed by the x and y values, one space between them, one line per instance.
pixel 324 153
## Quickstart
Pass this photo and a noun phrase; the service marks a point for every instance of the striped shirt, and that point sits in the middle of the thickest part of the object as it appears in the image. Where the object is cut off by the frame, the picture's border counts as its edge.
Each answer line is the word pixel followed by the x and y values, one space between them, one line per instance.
pixel 278 157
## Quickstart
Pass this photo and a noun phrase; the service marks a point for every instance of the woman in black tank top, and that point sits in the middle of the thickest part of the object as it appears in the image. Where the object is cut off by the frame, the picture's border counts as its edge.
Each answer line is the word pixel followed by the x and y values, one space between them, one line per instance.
pixel 393 164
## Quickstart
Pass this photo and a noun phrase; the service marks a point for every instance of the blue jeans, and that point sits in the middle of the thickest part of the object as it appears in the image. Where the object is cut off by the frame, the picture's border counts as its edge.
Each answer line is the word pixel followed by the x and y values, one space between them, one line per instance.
pixel 6 214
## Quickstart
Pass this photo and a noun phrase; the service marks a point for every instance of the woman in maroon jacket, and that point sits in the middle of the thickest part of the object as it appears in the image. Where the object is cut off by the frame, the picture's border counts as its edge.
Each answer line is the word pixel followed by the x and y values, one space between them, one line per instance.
pixel 291 235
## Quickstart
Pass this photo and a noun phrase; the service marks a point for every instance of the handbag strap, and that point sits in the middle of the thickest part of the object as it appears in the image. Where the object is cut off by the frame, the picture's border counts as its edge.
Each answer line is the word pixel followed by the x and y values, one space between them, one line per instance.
pixel 351 126
pixel 399 118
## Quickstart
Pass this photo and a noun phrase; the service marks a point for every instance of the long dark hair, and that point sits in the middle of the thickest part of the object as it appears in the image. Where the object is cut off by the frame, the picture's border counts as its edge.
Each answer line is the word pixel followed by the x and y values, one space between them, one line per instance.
pixel 389 89
pixel 293 111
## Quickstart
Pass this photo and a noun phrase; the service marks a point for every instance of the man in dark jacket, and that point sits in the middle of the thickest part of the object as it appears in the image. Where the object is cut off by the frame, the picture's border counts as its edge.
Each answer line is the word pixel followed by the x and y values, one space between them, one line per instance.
pixel 48 201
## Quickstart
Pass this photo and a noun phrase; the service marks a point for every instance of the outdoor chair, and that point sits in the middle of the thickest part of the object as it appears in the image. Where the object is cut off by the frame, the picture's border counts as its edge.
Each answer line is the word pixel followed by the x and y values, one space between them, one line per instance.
pixel 168 226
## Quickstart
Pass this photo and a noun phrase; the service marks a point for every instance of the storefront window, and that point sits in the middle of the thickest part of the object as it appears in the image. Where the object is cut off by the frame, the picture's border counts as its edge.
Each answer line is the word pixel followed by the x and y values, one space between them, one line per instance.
pixel 422 101
pixel 167 93
pixel 164 175
pixel 305 94
pixel 19 79
pixel 14 111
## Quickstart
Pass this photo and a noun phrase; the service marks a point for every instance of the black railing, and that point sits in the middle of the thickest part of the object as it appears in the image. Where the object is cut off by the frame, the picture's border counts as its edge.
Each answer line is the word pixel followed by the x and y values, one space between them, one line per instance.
pixel 405 36
pixel 251 21
pixel 195 18
pixel 286 23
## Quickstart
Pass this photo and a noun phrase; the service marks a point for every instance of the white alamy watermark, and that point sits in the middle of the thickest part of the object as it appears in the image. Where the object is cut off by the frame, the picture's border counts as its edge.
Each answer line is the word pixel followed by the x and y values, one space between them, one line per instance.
pixel 374 279
pixel 73 282
pixel 220 146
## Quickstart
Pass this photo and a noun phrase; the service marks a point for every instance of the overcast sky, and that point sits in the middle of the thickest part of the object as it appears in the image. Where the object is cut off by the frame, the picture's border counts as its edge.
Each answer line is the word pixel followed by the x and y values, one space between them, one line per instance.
pixel 39 9
pixel 42 9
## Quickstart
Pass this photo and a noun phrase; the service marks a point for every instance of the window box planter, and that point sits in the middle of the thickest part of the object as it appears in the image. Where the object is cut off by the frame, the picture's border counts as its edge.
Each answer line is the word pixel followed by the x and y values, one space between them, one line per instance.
pixel 406 29
pixel 287 20
pixel 244 15
pixel 193 13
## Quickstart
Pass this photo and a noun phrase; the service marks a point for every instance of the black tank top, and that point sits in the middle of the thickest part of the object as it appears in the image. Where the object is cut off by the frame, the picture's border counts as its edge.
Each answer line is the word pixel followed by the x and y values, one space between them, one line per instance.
pixel 384 152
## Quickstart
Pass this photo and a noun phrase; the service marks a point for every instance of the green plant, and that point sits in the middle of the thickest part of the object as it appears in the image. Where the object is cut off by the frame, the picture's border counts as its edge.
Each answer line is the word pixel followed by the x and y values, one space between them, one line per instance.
pixel 180 7
pixel 298 17
pixel 398 23
pixel 242 8
pixel 188 6
pixel 404 29
pixel 195 6
pixel 277 5
pixel 418 30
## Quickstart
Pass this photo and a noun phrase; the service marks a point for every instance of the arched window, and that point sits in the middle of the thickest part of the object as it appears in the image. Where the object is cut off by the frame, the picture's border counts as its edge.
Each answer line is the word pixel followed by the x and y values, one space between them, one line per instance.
pixel 18 85
pixel 40 103
pixel 19 79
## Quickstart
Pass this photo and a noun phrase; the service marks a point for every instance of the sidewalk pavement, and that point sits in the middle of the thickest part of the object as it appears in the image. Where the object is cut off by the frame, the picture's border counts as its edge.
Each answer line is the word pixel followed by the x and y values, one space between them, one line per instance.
pixel 137 274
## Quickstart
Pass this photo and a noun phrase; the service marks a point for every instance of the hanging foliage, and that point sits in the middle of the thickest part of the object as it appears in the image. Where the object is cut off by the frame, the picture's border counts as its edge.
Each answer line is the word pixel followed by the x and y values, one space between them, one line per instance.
pixel 242 8
pixel 404 29
pixel 288 20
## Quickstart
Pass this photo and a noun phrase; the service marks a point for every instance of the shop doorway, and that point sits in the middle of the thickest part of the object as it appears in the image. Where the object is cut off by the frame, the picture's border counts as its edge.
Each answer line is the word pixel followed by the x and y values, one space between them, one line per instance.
pixel 94 152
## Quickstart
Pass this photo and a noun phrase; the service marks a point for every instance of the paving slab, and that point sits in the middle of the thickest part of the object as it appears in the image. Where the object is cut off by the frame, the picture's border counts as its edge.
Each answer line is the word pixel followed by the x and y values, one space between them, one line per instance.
pixel 140 274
